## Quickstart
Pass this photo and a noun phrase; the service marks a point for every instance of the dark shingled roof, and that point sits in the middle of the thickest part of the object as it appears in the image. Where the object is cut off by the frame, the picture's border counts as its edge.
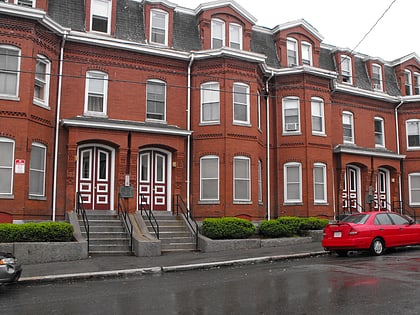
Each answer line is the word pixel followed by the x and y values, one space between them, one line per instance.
pixel 263 43
pixel 68 13
pixel 129 21
pixel 361 77
pixel 392 87
pixel 326 60
pixel 186 34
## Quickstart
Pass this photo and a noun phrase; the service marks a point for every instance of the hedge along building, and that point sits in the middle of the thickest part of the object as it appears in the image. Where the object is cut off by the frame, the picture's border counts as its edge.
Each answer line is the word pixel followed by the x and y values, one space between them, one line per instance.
pixel 237 119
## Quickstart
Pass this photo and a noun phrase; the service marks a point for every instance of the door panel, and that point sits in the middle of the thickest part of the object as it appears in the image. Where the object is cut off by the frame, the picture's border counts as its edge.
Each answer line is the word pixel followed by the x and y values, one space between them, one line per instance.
pixel 350 194
pixel 381 198
pixel 153 179
pixel 94 178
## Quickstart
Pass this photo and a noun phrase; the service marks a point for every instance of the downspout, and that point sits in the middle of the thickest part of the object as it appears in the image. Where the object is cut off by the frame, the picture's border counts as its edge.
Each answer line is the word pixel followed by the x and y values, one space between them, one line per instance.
pixel 57 125
pixel 189 135
pixel 398 149
pixel 267 94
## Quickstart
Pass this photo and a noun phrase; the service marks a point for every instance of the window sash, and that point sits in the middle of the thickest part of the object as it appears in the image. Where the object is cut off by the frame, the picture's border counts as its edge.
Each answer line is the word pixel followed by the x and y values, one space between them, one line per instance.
pixel 96 92
pixel 9 71
pixel 235 36
pixel 241 103
pixel 408 83
pixel 37 170
pixel 306 54
pixel 218 34
pixel 293 183
pixel 41 85
pixel 413 134
pixel 159 27
pixel 414 188
pixel 156 97
pixel 348 128
pixel 209 178
pixel 210 102
pixel 317 108
pixel 292 58
pixel 346 75
pixel 379 132
pixel 100 15
pixel 320 187
pixel 6 166
pixel 242 179
pixel 377 77
pixel 291 115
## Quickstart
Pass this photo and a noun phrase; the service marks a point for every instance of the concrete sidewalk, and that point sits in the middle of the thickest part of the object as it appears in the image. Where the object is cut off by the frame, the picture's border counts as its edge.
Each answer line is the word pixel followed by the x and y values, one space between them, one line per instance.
pixel 122 266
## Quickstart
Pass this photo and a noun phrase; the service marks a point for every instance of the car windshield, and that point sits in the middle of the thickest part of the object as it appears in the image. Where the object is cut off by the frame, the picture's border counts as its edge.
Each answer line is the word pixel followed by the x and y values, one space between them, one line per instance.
pixel 356 218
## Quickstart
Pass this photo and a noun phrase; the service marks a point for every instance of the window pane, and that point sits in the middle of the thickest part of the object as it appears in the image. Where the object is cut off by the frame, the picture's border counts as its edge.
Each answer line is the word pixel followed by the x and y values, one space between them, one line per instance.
pixel 156 100
pixel 6 167
pixel 242 179
pixel 9 63
pixel 37 171
pixel 240 105
pixel 209 172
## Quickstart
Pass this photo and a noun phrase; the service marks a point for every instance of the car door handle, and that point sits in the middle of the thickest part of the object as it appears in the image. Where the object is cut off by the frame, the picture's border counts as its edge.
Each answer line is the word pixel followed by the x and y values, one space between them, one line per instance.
pixel 381 229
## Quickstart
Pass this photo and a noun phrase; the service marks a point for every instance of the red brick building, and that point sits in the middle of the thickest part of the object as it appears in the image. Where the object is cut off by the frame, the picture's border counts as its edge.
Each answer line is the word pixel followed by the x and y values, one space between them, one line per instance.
pixel 237 119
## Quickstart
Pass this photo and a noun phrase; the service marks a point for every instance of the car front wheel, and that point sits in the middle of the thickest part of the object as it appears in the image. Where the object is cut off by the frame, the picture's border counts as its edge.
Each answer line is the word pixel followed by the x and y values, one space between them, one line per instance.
pixel 377 247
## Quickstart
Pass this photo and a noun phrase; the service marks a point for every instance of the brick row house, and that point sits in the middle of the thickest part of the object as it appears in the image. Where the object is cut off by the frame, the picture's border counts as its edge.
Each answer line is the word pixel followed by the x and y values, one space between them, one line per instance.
pixel 237 119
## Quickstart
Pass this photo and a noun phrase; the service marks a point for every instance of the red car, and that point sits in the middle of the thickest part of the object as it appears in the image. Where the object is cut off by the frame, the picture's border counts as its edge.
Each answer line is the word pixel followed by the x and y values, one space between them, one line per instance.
pixel 374 231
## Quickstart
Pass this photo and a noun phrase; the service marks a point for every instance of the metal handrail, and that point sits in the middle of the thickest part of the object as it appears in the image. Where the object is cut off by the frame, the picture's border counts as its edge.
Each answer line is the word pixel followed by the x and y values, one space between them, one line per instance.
pixel 402 208
pixel 80 210
pixel 123 214
pixel 144 206
pixel 349 208
pixel 181 205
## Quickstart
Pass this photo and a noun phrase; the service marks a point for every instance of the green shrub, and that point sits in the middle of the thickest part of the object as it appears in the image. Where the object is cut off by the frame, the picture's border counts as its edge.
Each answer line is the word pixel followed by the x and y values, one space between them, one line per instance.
pixel 36 232
pixel 275 228
pixel 227 228
pixel 313 224
pixel 293 223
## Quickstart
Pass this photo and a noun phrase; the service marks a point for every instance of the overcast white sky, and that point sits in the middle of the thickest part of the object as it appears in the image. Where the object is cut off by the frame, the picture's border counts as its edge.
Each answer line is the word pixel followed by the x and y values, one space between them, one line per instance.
pixel 343 23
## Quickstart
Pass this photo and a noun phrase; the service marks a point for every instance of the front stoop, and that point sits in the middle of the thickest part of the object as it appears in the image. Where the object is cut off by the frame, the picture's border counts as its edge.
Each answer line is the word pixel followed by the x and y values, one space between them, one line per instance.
pixel 107 234
pixel 174 235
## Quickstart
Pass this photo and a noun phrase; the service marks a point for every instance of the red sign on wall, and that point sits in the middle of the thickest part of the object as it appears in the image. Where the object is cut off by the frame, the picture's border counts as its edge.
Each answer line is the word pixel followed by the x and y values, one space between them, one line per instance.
pixel 19 166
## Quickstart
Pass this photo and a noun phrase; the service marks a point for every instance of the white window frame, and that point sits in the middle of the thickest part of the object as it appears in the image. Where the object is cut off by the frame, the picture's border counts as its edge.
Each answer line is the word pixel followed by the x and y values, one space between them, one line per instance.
pixel 413 191
pixel 160 83
pixel 318 183
pixel 203 178
pixel 210 100
pixel 416 83
pixel 235 30
pixel 379 134
pixel 214 36
pixel 41 171
pixel 26 3
pixel 291 103
pixel 42 82
pixel 346 69
pixel 103 9
pixel 153 14
pixel 286 167
pixel 417 123
pixel 377 77
pixel 292 45
pixel 239 103
pixel 318 103
pixel 98 76
pixel 306 51
pixel 259 109
pixel 351 121
pixel 408 83
pixel 8 168
pixel 239 178
pixel 260 182
pixel 5 72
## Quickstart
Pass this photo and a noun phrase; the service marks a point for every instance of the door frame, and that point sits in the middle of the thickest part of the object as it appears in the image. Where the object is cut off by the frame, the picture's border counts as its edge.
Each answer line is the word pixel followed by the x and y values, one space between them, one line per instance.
pixel 168 177
pixel 387 186
pixel 112 168
pixel 359 205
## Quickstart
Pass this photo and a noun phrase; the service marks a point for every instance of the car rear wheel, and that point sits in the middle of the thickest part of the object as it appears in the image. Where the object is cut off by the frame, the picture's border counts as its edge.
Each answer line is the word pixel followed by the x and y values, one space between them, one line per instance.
pixel 377 247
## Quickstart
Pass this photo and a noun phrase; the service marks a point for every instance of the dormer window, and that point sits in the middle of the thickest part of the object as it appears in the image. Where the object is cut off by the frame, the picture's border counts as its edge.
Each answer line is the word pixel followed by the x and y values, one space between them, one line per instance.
pixel 346 73
pixel 408 83
pixel 416 83
pixel 377 77
pixel 306 54
pixel 235 36
pixel 159 27
pixel 217 33
pixel 292 53
pixel 100 16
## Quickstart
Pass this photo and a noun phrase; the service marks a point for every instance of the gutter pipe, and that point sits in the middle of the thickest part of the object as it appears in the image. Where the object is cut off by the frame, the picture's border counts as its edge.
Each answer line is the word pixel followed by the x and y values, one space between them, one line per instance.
pixel 268 147
pixel 189 135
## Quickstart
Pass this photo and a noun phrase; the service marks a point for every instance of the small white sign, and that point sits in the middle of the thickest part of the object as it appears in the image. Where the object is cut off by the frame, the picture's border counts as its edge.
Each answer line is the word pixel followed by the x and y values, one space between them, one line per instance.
pixel 19 166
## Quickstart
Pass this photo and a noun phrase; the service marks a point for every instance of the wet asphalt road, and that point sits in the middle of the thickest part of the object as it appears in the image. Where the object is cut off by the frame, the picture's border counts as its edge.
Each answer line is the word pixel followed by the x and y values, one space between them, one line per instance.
pixel 359 284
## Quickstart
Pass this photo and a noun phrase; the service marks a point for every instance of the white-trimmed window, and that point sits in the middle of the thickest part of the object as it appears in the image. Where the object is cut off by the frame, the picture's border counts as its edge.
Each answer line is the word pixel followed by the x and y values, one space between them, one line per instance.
pixel 260 182
pixel 100 16
pixel 210 102
pixel 96 93
pixel 379 132
pixel 9 71
pixel 240 103
pixel 413 133
pixel 259 109
pixel 209 178
pixel 346 69
pixel 159 27
pixel 320 183
pixel 377 77
pixel 292 182
pixel 235 36
pixel 7 149
pixel 292 52
pixel 42 81
pixel 217 33
pixel 318 119
pixel 37 170
pixel 291 115
pixel 408 82
pixel 156 100
pixel 414 189
pixel 241 178
pixel 348 127
pixel 25 3
pixel 306 53
pixel 416 83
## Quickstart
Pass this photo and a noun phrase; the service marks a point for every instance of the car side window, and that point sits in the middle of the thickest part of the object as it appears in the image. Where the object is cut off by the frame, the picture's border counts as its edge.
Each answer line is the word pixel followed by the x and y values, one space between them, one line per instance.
pixel 382 219
pixel 398 220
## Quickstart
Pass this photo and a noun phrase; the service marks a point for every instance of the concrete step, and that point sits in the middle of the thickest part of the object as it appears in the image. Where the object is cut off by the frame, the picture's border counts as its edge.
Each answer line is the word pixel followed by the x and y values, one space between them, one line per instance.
pixel 176 240
pixel 109 241
pixel 108 248
pixel 104 228
pixel 113 235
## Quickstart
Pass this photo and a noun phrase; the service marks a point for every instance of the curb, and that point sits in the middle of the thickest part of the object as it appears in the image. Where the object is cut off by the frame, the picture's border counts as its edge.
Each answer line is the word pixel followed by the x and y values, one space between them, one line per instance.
pixel 154 270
